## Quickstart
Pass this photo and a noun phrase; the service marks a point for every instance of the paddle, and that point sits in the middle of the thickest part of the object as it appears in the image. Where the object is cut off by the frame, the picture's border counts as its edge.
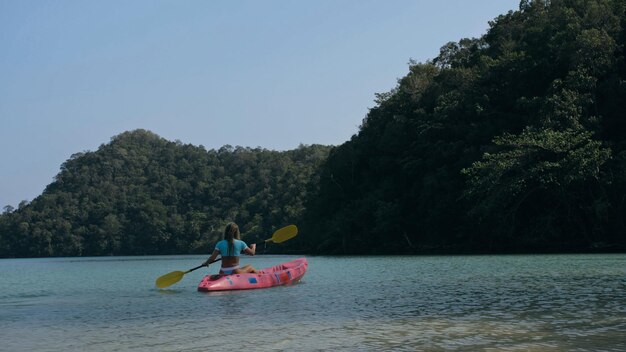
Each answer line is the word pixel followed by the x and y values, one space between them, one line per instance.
pixel 281 235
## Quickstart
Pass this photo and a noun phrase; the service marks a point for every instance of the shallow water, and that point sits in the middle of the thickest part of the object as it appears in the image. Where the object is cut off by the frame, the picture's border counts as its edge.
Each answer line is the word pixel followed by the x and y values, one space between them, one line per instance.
pixel 445 303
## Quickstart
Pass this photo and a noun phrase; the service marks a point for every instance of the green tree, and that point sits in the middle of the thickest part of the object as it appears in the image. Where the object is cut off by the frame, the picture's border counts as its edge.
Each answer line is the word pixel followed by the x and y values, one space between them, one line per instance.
pixel 537 185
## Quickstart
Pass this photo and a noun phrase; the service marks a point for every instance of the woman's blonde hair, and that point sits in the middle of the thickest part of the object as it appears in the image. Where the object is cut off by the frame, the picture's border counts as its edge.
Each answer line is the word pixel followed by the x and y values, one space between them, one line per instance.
pixel 231 233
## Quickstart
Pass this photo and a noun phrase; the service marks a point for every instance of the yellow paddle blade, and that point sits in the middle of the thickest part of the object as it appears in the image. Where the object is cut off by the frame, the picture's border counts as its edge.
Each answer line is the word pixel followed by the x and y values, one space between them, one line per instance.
pixel 284 234
pixel 169 279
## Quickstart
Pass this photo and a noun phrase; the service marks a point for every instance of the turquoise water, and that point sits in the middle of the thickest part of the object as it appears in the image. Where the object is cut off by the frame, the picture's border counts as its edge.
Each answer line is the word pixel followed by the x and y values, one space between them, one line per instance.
pixel 440 303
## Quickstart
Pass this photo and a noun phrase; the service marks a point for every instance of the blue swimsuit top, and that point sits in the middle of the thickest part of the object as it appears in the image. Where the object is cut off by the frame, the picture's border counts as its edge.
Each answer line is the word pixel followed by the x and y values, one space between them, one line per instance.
pixel 238 245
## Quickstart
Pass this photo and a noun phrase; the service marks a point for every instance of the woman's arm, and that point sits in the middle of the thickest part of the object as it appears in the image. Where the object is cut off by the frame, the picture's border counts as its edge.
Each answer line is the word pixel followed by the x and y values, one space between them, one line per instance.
pixel 214 255
pixel 250 250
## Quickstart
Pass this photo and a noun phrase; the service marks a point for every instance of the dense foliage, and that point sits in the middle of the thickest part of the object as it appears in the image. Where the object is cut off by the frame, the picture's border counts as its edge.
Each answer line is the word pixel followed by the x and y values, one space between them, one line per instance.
pixel 512 142
pixel 141 194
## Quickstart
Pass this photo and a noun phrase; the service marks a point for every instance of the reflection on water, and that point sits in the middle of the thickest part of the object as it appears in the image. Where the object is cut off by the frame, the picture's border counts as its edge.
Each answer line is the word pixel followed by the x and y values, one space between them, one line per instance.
pixel 456 303
pixel 168 291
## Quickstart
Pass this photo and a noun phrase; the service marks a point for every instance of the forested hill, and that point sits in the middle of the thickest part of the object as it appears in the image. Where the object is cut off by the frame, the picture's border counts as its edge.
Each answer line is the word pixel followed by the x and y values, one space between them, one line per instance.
pixel 142 194
pixel 511 142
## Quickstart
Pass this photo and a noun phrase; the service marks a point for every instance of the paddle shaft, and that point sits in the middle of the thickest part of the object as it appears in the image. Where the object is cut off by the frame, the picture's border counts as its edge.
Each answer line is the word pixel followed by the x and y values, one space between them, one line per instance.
pixel 200 266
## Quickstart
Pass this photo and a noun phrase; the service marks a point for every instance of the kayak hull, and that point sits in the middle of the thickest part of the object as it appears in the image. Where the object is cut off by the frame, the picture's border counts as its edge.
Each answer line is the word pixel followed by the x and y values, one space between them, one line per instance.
pixel 278 275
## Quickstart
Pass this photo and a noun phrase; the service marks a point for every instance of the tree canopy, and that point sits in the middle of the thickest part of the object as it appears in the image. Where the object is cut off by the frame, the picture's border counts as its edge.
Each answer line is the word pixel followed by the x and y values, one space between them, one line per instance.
pixel 141 194
pixel 511 142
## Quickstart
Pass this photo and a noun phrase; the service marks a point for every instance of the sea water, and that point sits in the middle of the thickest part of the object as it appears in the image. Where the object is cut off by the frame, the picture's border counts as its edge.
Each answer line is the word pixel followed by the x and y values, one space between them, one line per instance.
pixel 416 303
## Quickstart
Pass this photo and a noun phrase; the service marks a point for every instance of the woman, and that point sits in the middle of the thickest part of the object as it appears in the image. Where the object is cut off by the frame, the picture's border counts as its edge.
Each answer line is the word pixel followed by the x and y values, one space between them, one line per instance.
pixel 230 248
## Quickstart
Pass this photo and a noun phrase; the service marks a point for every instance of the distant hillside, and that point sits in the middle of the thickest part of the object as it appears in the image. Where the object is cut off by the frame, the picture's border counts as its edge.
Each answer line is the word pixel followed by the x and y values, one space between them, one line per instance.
pixel 142 194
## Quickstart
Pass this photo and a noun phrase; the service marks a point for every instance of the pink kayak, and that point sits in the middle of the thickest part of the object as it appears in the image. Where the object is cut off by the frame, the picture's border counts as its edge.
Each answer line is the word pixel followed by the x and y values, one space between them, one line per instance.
pixel 282 274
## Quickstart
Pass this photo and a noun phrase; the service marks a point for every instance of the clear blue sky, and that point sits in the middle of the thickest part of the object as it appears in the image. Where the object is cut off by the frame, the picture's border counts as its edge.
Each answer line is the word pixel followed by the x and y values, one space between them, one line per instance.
pixel 273 74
